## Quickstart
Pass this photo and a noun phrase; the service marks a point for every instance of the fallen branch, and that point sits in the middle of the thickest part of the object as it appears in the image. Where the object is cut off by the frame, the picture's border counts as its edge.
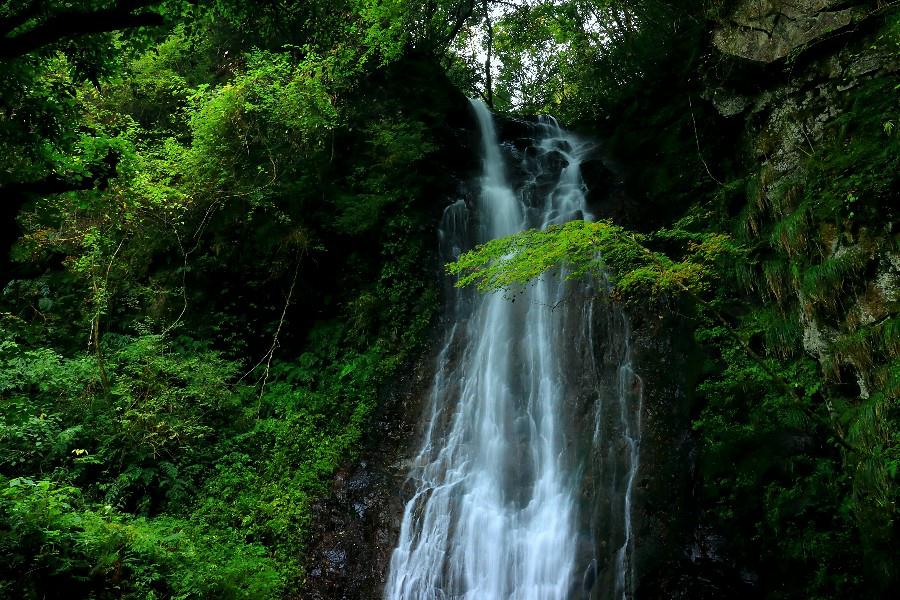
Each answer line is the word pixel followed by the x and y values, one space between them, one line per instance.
pixel 697 139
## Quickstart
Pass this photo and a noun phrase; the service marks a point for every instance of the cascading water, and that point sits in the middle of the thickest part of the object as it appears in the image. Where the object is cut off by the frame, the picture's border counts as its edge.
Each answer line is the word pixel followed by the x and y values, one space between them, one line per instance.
pixel 504 479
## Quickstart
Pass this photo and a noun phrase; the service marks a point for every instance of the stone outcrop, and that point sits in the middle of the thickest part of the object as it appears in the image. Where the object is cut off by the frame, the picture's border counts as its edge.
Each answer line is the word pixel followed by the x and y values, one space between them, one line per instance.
pixel 769 30
pixel 790 113
pixel 787 118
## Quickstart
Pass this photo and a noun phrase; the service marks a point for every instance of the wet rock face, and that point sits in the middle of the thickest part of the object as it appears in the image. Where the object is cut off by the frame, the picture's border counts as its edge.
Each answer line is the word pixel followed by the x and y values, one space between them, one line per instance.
pixel 600 172
pixel 356 527
pixel 677 555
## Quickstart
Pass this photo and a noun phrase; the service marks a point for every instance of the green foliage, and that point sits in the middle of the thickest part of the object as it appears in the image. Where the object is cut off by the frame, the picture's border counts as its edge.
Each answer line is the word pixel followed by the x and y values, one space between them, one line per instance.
pixel 578 59
pixel 274 109
pixel 130 441
pixel 249 180
pixel 57 545
pixel 758 438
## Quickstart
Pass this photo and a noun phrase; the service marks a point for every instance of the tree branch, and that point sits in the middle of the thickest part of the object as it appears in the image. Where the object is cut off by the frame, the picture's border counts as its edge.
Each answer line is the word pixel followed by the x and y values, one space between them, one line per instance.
pixel 69 24
pixel 16 194
pixel 28 11
pixel 103 171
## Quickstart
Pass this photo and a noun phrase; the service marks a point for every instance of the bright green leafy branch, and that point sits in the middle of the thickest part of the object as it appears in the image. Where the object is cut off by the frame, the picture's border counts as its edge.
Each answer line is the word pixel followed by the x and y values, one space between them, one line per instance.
pixel 598 248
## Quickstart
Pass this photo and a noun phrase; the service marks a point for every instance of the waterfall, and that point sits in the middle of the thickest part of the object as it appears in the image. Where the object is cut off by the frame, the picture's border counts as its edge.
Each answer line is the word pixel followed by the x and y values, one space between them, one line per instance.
pixel 517 442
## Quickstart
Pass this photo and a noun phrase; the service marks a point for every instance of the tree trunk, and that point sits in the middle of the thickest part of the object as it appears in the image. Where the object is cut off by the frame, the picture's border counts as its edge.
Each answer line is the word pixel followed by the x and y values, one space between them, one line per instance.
pixel 488 83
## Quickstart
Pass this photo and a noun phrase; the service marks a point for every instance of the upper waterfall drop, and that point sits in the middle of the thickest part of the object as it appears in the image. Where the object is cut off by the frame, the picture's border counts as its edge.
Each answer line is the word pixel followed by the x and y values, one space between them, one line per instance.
pixel 497 477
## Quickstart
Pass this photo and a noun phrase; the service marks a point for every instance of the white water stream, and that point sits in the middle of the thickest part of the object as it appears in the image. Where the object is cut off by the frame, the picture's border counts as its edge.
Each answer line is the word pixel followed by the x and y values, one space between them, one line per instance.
pixel 497 509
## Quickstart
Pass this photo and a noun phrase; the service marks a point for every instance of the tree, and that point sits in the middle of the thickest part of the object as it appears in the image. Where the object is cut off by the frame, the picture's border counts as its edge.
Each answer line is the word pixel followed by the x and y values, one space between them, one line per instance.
pixel 48 47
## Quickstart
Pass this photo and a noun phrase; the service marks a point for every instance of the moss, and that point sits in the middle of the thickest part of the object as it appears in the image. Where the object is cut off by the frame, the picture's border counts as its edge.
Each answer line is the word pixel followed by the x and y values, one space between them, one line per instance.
pixel 781 332
pixel 825 283
pixel 792 234
pixel 778 279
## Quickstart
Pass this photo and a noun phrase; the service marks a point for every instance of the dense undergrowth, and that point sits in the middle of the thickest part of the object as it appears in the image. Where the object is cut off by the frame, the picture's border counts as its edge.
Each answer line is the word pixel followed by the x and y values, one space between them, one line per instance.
pixel 224 257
